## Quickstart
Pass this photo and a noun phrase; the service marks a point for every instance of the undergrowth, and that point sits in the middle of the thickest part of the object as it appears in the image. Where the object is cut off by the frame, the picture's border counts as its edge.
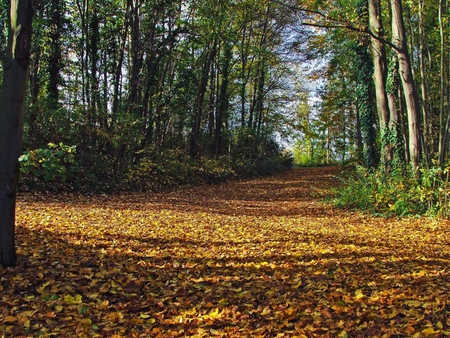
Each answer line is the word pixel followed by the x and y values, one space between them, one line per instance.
pixel 49 170
pixel 401 192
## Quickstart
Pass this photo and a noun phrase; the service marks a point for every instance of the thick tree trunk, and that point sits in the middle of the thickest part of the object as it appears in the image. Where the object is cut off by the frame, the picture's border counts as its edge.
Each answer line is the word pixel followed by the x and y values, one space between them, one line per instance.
pixel 365 101
pixel 365 98
pixel 406 77
pixel 12 98
pixel 380 76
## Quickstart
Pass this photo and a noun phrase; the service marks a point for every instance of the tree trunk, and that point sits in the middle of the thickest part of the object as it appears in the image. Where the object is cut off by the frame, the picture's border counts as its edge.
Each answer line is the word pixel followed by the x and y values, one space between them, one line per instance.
pixel 365 100
pixel 423 86
pixel 195 145
pixel 117 80
pixel 55 61
pixel 223 99
pixel 12 99
pixel 395 122
pixel 443 122
pixel 380 76
pixel 406 76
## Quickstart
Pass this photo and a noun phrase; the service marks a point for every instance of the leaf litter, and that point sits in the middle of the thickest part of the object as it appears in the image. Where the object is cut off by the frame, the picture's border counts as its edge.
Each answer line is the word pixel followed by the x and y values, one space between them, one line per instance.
pixel 263 257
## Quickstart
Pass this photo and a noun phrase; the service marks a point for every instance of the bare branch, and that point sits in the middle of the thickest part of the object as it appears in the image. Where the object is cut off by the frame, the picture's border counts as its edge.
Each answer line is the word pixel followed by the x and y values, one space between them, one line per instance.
pixel 334 23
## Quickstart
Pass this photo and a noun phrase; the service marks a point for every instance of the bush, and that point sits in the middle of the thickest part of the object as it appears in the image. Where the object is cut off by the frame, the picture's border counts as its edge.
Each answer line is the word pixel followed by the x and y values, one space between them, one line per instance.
pixel 53 164
pixel 173 169
pixel 402 192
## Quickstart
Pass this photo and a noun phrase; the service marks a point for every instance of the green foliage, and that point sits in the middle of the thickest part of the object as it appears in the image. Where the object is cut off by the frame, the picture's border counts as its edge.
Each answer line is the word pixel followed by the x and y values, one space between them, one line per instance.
pixel 402 192
pixel 55 163
pixel 309 153
pixel 173 169
pixel 246 143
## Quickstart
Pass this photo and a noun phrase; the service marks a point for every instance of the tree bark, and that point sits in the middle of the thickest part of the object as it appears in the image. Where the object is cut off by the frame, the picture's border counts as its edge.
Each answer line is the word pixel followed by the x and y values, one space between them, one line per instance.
pixel 12 99
pixel 428 148
pixel 406 77
pixel 55 61
pixel 380 76
pixel 443 121
pixel 223 99
pixel 195 145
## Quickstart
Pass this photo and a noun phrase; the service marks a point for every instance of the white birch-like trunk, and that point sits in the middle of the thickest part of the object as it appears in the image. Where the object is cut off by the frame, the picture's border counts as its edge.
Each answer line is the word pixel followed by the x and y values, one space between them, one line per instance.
pixel 406 78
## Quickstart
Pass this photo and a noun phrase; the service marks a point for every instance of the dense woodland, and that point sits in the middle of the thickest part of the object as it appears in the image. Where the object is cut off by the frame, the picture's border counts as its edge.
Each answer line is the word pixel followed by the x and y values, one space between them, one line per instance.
pixel 118 87
pixel 140 88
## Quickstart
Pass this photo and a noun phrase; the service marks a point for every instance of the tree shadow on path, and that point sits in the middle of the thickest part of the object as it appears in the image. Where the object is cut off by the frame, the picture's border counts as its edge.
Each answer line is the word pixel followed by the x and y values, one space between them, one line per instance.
pixel 126 266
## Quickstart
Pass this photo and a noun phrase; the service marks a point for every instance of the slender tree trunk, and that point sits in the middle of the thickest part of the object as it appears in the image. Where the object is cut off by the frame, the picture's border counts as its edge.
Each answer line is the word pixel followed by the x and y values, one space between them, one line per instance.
pixel 423 85
pixel 406 77
pixel 136 59
pixel 404 127
pixel 223 100
pixel 12 99
pixel 195 145
pixel 443 122
pixel 120 58
pixel 93 54
pixel 55 62
pixel 35 86
pixel 243 77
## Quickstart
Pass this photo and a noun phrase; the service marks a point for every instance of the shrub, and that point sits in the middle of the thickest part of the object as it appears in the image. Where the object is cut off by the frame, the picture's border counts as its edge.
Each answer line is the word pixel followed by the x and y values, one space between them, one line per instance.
pixel 402 192
pixel 55 163
pixel 172 169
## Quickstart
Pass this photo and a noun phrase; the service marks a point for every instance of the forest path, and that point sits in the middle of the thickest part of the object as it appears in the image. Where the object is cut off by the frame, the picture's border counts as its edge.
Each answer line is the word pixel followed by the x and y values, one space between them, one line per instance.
pixel 263 257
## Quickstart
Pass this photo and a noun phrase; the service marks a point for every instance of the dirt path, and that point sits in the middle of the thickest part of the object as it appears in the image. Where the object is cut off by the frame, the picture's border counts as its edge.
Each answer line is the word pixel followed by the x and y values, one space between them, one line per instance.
pixel 254 258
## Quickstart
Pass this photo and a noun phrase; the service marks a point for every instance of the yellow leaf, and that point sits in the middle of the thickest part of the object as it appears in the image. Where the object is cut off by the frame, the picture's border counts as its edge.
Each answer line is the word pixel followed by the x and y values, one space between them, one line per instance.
pixel 191 312
pixel 214 332
pixel 42 287
pixel 213 314
pixel 413 303
pixel 343 334
pixel 144 315
pixel 359 294
pixel 9 319
pixel 429 332
pixel 86 321
pixel 265 311
pixel 223 301
pixel 72 300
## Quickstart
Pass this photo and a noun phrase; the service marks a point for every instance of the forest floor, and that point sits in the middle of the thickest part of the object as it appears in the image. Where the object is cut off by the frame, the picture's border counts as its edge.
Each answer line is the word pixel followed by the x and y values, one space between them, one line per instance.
pixel 265 257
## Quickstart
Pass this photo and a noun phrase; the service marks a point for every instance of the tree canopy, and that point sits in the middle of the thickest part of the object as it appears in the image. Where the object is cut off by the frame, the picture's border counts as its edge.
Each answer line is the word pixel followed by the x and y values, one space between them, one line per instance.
pixel 126 81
